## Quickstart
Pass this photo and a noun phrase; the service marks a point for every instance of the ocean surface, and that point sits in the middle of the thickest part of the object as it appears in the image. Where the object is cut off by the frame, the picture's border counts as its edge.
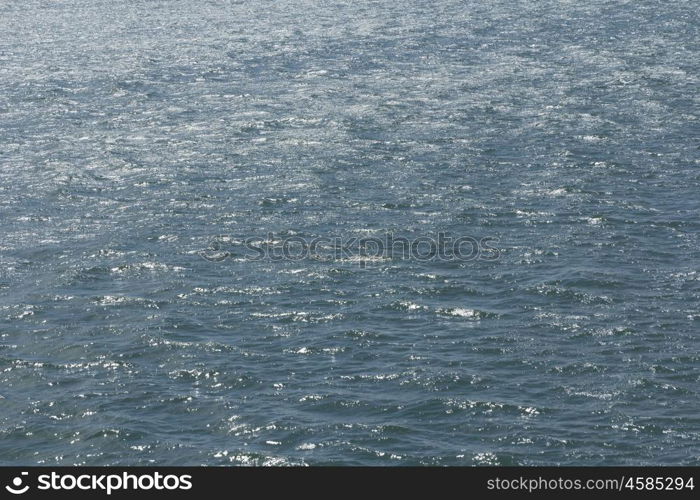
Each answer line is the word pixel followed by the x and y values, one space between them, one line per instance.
pixel 138 137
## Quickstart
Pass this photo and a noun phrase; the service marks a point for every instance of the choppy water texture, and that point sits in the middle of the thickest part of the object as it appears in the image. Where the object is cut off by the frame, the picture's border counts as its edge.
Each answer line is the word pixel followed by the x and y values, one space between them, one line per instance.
pixel 131 133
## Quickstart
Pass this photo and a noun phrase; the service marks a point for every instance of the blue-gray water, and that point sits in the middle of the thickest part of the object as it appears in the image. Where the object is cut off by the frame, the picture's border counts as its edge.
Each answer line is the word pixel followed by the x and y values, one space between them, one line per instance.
pixel 134 132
